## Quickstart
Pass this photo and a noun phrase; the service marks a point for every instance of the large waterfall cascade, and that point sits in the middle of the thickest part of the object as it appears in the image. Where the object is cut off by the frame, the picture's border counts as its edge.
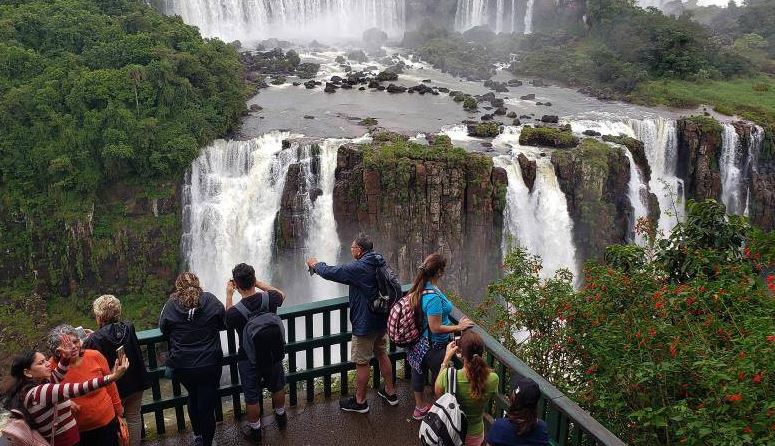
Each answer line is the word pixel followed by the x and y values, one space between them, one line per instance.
pixel 736 162
pixel 505 16
pixel 639 197
pixel 539 220
pixel 257 19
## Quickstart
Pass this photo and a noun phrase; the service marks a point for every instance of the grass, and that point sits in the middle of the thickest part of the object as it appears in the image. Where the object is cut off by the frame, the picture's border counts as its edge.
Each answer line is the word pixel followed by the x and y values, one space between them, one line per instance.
pixel 752 98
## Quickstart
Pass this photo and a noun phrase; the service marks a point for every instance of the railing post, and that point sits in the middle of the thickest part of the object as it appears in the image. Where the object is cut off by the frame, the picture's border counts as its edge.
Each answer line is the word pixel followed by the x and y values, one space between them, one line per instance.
pixel 155 389
pixel 343 356
pixel 292 361
pixel 327 353
pixel 310 356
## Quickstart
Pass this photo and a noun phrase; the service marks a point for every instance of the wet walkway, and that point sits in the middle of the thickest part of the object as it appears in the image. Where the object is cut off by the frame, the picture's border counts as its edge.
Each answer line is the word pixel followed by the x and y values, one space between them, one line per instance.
pixel 322 423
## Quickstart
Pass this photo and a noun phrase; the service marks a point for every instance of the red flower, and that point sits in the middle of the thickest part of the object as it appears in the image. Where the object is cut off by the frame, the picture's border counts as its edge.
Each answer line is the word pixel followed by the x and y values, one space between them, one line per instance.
pixel 741 355
pixel 592 370
pixel 747 429
pixel 659 305
pixel 741 376
pixel 771 338
pixel 673 350
pixel 734 398
pixel 757 378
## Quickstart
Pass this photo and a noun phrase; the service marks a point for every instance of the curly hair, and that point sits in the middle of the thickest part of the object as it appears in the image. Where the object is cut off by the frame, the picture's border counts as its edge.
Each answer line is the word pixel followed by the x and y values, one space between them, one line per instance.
pixel 187 290
pixel 54 337
pixel 107 309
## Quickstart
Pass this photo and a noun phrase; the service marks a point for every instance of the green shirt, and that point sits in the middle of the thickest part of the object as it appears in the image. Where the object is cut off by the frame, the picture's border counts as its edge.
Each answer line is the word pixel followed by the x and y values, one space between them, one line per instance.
pixel 474 409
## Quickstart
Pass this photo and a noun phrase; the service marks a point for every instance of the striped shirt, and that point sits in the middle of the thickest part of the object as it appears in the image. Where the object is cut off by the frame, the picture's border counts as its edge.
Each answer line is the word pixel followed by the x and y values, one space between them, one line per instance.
pixel 43 400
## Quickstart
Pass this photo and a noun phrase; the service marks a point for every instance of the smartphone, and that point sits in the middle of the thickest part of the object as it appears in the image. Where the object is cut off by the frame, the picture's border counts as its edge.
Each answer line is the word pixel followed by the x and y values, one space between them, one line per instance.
pixel 120 352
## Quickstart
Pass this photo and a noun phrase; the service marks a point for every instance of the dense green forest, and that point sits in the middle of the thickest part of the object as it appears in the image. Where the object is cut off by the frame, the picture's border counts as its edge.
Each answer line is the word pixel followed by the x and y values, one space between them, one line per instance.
pixel 97 97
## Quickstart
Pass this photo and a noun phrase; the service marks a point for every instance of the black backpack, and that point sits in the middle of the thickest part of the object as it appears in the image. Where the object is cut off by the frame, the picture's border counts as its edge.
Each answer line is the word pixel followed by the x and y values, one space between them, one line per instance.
pixel 263 337
pixel 388 290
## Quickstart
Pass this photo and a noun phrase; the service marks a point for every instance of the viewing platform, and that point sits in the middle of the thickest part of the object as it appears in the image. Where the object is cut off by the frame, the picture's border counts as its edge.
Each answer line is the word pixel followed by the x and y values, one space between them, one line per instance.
pixel 317 335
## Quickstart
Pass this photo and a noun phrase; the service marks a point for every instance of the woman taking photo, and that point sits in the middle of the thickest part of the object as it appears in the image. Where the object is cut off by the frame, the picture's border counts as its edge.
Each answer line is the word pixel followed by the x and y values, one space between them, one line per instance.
pixel 98 412
pixel 476 383
pixel 432 309
pixel 32 390
pixel 521 427
pixel 192 320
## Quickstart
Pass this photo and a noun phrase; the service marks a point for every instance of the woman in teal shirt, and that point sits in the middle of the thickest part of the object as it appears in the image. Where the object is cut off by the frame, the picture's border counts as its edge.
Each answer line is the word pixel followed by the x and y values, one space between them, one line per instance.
pixel 432 309
pixel 476 383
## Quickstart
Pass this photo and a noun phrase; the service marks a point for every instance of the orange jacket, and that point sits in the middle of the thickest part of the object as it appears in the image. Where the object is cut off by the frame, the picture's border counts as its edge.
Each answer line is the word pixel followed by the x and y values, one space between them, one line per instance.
pixel 100 407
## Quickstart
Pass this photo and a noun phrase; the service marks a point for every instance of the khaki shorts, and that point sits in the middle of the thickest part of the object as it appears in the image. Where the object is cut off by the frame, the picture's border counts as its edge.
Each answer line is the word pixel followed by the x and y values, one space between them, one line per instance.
pixel 366 347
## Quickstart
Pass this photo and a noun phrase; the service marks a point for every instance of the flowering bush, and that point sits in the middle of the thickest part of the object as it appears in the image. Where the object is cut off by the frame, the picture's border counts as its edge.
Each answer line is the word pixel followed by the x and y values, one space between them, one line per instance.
pixel 673 343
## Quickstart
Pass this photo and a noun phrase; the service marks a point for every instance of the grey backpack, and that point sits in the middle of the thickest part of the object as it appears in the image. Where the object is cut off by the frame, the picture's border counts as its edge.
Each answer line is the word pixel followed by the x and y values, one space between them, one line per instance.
pixel 263 337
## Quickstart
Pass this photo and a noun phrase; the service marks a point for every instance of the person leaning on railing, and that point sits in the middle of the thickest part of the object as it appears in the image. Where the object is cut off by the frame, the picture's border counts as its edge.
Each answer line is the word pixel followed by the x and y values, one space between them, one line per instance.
pixel 192 320
pixel 35 390
pixel 112 334
pixel 432 309
pixel 98 412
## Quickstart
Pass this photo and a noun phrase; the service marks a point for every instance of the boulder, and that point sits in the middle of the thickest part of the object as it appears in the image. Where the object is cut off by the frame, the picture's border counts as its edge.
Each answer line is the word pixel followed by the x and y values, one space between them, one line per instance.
pixel 487 117
pixel 340 59
pixel 309 85
pixel 528 168
pixel 498 102
pixel 330 88
pixel 336 79
pixel 528 97
pixel 427 81
pixel 255 108
pixel 516 122
pixel 444 89
pixel 392 88
pixel 514 83
pixel 357 55
pixel 539 83
pixel 386 76
pixel 551 119
pixel 500 111
pixel 309 117
pixel 511 114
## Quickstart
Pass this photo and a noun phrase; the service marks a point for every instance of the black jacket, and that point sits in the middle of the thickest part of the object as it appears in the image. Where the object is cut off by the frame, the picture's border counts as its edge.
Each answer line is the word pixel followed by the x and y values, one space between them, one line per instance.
pixel 194 334
pixel 106 340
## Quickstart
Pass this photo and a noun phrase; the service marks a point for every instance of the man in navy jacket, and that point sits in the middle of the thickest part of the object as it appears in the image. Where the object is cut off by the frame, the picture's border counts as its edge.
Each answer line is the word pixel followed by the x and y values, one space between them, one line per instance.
pixel 369 329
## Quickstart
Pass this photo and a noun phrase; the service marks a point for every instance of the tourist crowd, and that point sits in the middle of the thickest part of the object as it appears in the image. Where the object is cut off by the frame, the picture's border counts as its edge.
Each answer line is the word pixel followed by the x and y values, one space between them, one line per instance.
pixel 88 389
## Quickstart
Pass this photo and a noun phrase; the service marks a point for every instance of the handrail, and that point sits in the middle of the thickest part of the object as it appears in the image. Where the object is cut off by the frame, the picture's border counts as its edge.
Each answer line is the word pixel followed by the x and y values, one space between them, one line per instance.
pixel 567 422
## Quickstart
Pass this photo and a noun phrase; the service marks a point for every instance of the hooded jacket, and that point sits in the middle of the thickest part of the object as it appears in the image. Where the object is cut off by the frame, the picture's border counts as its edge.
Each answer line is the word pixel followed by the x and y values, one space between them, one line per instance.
pixel 361 276
pixel 106 340
pixel 194 333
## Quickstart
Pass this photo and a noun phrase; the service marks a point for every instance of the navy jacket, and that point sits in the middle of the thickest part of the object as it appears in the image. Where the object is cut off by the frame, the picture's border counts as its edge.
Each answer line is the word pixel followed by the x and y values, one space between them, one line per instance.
pixel 194 334
pixel 106 340
pixel 361 276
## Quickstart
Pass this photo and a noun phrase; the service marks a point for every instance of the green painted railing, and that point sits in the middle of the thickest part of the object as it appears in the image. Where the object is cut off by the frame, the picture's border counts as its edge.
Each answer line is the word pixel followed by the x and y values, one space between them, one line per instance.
pixel 568 424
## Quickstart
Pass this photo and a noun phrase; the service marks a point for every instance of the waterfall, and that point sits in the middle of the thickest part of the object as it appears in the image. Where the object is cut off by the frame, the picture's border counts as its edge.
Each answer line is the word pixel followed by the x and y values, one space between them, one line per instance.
pixel 638 193
pixel 659 137
pixel 529 17
pixel 502 16
pixel 539 220
pixel 256 19
pixel 732 175
pixel 754 149
pixel 232 198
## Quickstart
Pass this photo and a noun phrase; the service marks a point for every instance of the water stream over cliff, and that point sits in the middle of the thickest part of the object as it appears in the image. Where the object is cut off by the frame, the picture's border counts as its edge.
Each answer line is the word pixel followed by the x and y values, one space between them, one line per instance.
pixel 502 16
pixel 639 197
pixel 731 165
pixel 536 220
pixel 251 20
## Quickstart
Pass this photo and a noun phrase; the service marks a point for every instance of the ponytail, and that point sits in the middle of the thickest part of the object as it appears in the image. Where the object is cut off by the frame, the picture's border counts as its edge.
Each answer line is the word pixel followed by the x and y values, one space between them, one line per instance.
pixel 432 267
pixel 477 370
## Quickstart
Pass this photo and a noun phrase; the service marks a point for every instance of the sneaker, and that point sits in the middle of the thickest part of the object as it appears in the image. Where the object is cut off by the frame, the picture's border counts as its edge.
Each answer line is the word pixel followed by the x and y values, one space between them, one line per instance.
pixel 419 413
pixel 251 434
pixel 350 405
pixel 282 420
pixel 391 399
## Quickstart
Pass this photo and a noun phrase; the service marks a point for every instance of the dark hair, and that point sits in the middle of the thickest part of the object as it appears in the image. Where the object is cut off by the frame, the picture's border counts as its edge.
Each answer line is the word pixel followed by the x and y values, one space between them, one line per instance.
pixel 13 386
pixel 523 414
pixel 364 242
pixel 244 275
pixel 432 266
pixel 472 348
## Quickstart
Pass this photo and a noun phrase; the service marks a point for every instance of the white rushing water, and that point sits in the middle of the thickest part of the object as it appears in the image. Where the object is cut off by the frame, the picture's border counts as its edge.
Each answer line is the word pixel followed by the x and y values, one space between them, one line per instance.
pixel 638 192
pixel 250 20
pixel 731 164
pixel 660 144
pixel 231 201
pixel 502 16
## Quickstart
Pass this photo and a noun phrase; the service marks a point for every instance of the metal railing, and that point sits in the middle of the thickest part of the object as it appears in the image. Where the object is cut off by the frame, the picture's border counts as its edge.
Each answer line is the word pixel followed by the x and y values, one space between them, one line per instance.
pixel 568 424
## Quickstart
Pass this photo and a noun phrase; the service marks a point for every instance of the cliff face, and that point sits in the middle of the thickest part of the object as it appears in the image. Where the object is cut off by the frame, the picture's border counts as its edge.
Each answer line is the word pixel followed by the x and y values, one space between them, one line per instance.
pixel 761 200
pixel 699 150
pixel 594 178
pixel 415 205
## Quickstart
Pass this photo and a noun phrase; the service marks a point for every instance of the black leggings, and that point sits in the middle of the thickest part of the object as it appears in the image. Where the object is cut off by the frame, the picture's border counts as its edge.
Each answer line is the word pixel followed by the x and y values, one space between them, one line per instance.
pixel 202 387
pixel 106 435
pixel 432 362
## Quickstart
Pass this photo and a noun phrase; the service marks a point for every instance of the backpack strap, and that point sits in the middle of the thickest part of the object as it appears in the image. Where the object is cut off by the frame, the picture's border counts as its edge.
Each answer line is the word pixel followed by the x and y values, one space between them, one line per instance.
pixel 264 302
pixel 243 310
pixel 452 380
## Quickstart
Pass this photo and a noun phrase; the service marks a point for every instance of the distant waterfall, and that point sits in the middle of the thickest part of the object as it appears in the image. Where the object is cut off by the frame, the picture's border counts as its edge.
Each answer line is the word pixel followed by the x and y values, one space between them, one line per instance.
pixel 731 164
pixel 638 192
pixel 257 19
pixel 539 220
pixel 659 137
pixel 231 201
pixel 502 16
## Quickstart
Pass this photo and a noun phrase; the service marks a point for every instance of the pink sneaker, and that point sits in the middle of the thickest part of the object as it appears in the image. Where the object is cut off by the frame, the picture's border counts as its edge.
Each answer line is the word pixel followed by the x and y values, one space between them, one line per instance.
pixel 419 413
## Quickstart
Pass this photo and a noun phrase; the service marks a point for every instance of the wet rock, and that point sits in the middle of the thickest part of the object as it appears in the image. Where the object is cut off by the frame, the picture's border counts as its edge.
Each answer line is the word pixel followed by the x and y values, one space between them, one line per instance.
pixel 386 76
pixel 551 119
pixel 330 88
pixel 444 89
pixel 381 88
pixel 336 79
pixel 487 108
pixel 362 89
pixel 346 87
pixel 296 84
pixel 528 168
pixel 516 122
pixel 392 88
pixel 373 84
pixel 525 116
pixel 340 60
pixel 255 108
pixel 496 86
pixel 511 114
pixel 590 133
pixel 278 80
pixel 486 144
pixel 539 83
pixel 539 103
pixel 484 130
pixel 500 111
pixel 309 117
pixel 514 83
pixel 498 102
pixel 314 193
pixel 427 81
pixel 357 55
pixel 547 104
pixel 528 97
pixel 309 85
pixel 487 97
pixel 486 117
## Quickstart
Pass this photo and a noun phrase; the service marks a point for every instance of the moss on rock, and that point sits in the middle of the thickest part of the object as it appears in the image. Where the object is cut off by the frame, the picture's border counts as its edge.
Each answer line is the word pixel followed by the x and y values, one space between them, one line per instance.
pixel 561 138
